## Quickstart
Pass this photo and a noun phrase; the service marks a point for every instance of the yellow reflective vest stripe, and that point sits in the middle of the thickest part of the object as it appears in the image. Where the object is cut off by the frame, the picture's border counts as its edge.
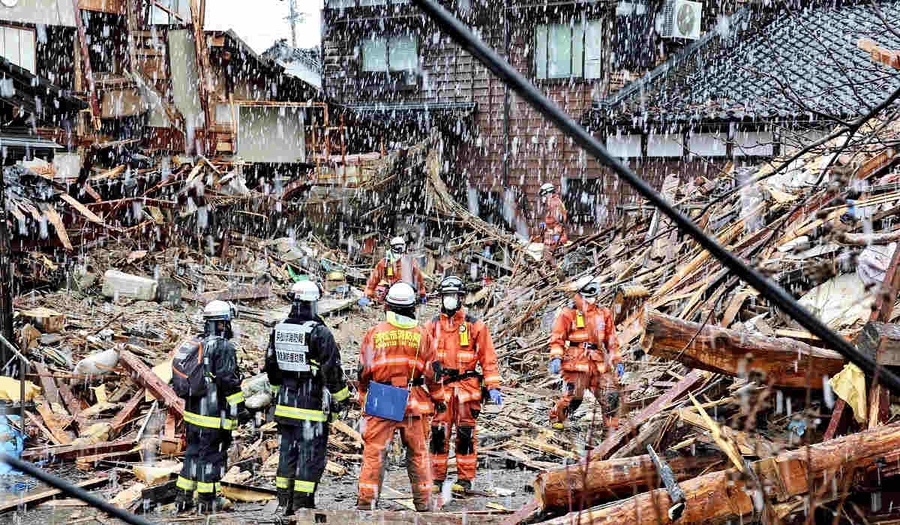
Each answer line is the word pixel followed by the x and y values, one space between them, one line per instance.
pixel 299 413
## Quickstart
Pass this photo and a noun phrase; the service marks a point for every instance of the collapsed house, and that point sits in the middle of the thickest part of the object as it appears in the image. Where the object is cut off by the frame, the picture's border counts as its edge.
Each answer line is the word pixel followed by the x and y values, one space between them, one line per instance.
pixel 746 415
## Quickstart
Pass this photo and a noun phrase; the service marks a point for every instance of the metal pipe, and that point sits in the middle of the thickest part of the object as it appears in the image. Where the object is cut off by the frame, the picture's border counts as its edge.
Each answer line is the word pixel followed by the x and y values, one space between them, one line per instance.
pixel 768 289
pixel 72 490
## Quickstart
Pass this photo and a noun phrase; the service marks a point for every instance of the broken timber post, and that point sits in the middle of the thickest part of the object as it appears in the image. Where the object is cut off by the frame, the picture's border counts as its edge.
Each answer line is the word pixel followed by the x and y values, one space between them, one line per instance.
pixel 145 377
pixel 578 486
pixel 727 495
pixel 671 483
pixel 785 362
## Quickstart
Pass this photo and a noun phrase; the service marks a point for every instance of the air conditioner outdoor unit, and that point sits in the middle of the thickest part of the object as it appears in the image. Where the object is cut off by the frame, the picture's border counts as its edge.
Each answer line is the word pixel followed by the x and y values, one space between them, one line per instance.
pixel 681 19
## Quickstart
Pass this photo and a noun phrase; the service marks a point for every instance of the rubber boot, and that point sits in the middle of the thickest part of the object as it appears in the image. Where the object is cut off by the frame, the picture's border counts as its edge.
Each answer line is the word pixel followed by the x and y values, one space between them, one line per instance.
pixel 285 502
pixel 304 500
pixel 184 500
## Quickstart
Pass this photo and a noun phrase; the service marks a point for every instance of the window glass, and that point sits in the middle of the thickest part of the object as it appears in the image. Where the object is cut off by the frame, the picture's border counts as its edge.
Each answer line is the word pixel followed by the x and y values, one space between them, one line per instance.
pixel 559 52
pixel 27 50
pixel 540 51
pixel 402 55
pixel 11 37
pixel 593 42
pixel 578 51
pixel 374 54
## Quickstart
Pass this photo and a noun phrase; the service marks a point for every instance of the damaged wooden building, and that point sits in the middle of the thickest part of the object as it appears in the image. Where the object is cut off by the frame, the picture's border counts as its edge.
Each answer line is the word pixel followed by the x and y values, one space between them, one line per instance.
pixel 672 87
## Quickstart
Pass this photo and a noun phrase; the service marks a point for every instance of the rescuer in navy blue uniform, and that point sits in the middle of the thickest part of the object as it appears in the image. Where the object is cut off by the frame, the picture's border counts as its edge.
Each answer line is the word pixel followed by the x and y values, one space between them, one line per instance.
pixel 303 361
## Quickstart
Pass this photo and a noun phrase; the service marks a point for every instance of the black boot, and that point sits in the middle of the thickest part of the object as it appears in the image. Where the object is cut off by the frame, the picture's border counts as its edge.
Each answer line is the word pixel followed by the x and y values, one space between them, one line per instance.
pixel 304 500
pixel 285 502
pixel 210 504
pixel 184 500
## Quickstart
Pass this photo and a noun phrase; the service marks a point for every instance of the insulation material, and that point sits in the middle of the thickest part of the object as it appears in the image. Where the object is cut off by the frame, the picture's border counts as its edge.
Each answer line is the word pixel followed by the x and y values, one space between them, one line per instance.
pixel 850 385
pixel 10 389
pixel 839 302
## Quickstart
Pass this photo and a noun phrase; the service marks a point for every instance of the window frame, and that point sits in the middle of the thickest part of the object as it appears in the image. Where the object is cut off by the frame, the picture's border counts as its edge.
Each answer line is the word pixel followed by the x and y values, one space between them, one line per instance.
pixel 388 37
pixel 21 29
pixel 584 30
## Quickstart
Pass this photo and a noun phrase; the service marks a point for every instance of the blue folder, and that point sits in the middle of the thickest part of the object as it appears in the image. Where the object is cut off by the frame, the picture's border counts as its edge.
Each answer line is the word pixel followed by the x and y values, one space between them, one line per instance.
pixel 386 401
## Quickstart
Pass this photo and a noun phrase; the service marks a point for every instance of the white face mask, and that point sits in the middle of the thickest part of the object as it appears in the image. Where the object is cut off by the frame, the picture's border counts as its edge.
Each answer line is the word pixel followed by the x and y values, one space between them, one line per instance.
pixel 450 302
pixel 590 300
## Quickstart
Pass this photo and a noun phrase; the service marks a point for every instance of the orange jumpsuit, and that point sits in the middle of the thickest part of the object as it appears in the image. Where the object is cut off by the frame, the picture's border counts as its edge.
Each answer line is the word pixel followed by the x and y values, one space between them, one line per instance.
pixel 554 234
pixel 462 344
pixel 403 269
pixel 584 337
pixel 391 353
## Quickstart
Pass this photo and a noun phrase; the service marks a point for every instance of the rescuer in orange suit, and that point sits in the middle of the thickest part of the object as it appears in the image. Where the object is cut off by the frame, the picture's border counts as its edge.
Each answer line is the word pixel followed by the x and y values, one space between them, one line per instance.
pixel 399 353
pixel 463 343
pixel 584 347
pixel 553 229
pixel 394 267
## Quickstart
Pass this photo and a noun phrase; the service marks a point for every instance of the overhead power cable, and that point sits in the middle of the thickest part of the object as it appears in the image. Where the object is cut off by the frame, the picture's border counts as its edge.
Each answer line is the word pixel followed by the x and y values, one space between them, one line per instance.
pixel 72 490
pixel 768 289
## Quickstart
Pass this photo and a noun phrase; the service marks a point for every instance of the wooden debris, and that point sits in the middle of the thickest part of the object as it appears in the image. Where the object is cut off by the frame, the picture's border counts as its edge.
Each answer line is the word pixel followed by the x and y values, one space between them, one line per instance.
pixel 783 362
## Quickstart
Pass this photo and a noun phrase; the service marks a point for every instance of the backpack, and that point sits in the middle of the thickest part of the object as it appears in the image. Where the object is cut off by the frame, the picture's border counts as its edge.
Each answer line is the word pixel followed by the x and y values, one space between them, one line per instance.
pixel 188 370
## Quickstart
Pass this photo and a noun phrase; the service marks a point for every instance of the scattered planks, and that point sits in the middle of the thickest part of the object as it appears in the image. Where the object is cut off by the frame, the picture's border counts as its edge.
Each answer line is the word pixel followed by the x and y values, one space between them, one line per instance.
pixel 785 362
pixel 577 487
pixel 65 452
pixel 727 495
pixel 35 499
pixel 614 440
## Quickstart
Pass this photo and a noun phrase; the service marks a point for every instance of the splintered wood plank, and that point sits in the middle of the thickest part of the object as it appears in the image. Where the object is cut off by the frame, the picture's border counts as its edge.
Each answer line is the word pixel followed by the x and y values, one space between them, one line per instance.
pixel 73 404
pixel 33 499
pixel 785 362
pixel 57 223
pixel 614 440
pixel 145 377
pixel 75 451
pixel 52 420
pixel 81 208
pixel 51 392
pixel 128 411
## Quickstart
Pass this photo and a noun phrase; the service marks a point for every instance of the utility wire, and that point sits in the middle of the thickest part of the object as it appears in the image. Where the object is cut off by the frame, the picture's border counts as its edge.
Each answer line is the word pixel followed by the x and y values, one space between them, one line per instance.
pixel 768 289
pixel 72 490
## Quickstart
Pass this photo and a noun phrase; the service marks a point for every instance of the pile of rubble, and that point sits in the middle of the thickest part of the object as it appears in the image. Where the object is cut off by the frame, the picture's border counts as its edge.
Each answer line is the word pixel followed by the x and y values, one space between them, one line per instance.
pixel 730 403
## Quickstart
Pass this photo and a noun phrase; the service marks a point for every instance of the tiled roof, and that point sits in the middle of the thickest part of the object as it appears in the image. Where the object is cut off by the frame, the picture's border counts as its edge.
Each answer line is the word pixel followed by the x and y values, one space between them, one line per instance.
pixel 792 66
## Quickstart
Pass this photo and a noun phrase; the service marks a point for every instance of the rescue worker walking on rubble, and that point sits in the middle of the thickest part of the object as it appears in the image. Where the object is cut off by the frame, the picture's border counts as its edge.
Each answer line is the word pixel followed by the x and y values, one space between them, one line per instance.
pixel 463 344
pixel 395 365
pixel 584 348
pixel 396 266
pixel 205 374
pixel 301 362
pixel 553 229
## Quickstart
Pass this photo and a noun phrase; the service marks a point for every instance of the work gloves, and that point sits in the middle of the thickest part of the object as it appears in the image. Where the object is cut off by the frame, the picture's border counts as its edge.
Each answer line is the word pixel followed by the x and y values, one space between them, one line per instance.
pixel 364 302
pixel 496 397
pixel 424 299
pixel 620 369
pixel 555 365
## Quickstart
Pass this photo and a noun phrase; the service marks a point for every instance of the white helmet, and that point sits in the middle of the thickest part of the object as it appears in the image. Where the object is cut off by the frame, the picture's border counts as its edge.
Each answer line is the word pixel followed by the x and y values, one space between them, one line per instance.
pixel 218 311
pixel 398 245
pixel 547 188
pixel 305 291
pixel 401 295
